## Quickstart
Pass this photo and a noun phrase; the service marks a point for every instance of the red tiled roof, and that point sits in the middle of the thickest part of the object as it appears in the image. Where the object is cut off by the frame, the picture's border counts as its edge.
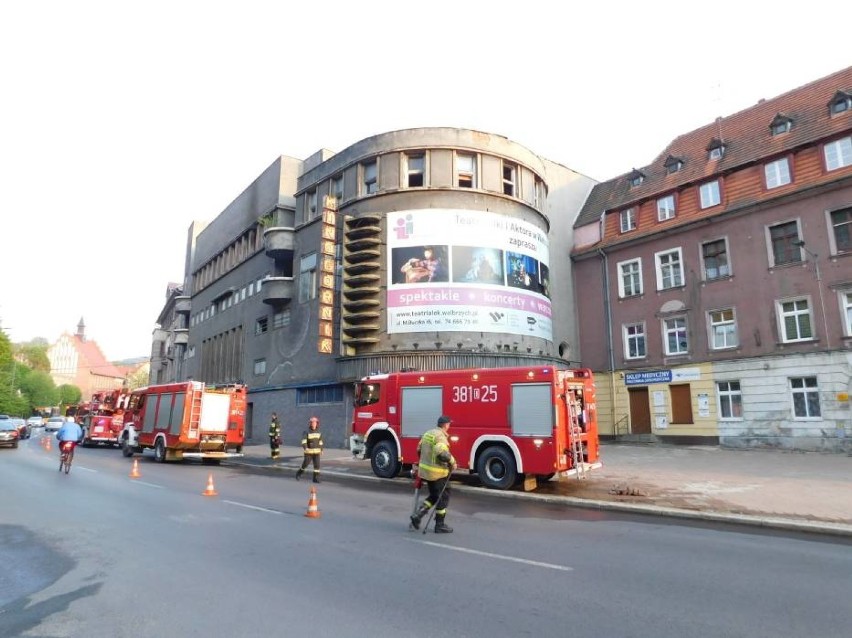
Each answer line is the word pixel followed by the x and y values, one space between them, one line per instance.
pixel 746 137
pixel 93 360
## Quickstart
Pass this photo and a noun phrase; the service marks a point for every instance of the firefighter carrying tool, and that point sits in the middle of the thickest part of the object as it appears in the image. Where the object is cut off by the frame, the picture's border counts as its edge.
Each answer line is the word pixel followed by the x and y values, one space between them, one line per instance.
pixel 436 465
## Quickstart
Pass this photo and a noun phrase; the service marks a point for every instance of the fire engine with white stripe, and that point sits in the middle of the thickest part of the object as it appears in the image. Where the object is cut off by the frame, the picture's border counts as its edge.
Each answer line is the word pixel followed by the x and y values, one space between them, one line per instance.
pixel 510 425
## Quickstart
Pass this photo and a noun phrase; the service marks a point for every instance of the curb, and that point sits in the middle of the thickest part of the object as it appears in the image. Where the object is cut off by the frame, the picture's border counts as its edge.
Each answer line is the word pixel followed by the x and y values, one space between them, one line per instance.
pixel 765 522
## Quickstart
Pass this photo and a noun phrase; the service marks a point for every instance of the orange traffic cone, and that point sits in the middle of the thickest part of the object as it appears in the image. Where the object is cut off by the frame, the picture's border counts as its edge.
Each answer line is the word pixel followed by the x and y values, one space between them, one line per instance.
pixel 210 491
pixel 134 473
pixel 313 510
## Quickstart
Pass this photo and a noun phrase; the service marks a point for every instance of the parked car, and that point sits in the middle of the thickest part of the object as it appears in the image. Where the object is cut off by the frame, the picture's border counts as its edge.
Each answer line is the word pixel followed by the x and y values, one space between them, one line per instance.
pixel 24 429
pixel 54 423
pixel 8 433
pixel 35 421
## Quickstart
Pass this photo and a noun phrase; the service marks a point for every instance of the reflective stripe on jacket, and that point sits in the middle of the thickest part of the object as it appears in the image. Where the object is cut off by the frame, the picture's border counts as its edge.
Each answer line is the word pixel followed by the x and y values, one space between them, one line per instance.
pixel 312 441
pixel 435 457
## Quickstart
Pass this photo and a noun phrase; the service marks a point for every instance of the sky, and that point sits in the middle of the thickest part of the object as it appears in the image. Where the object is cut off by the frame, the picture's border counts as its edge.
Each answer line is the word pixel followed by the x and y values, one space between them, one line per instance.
pixel 121 122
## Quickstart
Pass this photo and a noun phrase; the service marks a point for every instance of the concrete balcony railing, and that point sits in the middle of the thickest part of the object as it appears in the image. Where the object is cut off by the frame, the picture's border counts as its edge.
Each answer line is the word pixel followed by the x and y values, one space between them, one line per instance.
pixel 277 291
pixel 279 242
pixel 182 304
pixel 181 336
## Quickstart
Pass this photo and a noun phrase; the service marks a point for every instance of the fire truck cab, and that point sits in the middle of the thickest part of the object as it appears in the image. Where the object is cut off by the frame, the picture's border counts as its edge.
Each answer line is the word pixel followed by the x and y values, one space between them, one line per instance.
pixel 186 420
pixel 508 423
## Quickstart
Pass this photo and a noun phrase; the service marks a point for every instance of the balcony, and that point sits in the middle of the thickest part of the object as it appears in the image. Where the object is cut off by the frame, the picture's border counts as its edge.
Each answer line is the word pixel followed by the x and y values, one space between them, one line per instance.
pixel 181 336
pixel 182 304
pixel 277 291
pixel 279 242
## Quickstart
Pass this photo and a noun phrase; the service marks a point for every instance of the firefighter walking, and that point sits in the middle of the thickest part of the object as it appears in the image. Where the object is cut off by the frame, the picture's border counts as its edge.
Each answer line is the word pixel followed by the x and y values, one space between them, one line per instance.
pixel 312 447
pixel 436 464
pixel 274 436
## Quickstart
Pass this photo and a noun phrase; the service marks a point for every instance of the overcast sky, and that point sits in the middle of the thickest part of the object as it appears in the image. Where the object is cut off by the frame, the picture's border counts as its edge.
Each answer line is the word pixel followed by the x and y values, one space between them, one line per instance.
pixel 124 121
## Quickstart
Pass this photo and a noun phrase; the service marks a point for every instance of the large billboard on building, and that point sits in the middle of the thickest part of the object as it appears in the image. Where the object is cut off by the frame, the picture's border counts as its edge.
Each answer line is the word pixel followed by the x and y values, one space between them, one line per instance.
pixel 467 271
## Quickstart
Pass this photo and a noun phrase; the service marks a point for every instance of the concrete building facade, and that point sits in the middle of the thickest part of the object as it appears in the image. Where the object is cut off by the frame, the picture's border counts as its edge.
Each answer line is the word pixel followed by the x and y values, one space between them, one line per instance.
pixel 424 248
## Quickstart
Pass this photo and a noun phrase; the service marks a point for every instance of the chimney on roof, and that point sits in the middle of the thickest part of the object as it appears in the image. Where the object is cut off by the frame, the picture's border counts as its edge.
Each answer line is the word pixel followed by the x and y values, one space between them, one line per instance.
pixel 81 330
pixel 761 100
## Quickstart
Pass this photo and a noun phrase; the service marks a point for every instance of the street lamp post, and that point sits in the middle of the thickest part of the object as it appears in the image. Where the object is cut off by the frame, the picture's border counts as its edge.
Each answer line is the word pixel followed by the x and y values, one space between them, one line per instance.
pixel 801 244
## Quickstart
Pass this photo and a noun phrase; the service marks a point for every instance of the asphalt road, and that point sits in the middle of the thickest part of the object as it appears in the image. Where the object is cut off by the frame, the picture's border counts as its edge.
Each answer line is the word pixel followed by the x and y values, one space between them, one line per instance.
pixel 97 553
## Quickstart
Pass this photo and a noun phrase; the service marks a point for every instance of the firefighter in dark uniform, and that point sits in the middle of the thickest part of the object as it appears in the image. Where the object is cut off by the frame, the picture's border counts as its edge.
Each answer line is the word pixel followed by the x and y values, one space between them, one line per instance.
pixel 275 436
pixel 312 446
pixel 436 465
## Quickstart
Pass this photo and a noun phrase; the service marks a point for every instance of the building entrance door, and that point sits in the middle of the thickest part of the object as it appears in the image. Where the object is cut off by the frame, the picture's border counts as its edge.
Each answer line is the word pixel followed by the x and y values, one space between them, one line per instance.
pixel 640 411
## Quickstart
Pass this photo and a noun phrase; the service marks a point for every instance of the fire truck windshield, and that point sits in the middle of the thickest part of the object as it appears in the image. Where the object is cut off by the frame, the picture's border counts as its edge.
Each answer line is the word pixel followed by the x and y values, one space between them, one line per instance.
pixel 367 394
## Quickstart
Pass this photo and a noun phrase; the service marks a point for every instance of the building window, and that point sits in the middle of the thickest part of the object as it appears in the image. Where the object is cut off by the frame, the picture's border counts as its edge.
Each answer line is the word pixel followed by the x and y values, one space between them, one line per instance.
pixel 710 194
pixel 796 320
pixel 673 164
pixel 320 394
pixel 805 397
pixel 665 208
pixel 259 366
pixel 312 204
pixel 635 178
pixel 415 169
pixel 466 170
pixel 261 326
pixel 841 103
pixel 337 188
pixel 781 124
pixel 634 340
pixel 723 329
pixel 714 257
pixel 838 154
pixel 846 311
pixel 669 269
pixel 510 176
pixel 777 173
pixel 369 175
pixel 841 230
pixel 675 336
pixel 281 319
pixel 630 278
pixel 628 220
pixel 783 239
pixel 730 400
pixel 308 277
pixel 716 149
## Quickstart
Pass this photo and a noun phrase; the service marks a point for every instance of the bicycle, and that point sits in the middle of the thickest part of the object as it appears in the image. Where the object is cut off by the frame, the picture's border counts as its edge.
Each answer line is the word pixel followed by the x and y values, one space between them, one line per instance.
pixel 66 455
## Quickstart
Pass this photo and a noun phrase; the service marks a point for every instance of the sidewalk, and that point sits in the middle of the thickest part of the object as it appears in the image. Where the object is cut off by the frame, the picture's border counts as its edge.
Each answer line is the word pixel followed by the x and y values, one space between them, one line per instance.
pixel 769 488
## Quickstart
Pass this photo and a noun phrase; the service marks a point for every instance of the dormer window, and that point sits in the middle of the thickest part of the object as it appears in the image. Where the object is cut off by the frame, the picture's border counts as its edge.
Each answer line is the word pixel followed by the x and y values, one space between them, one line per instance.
pixel 715 149
pixel 635 177
pixel 781 124
pixel 840 103
pixel 673 164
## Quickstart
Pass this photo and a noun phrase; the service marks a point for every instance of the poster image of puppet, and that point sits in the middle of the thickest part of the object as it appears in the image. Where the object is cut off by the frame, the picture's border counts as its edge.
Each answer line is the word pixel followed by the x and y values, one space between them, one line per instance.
pixel 475 265
pixel 420 265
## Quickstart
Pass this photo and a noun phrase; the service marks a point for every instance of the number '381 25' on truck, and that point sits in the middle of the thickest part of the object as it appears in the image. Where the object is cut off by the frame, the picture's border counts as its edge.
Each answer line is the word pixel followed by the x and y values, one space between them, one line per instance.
pixel 508 424
pixel 186 420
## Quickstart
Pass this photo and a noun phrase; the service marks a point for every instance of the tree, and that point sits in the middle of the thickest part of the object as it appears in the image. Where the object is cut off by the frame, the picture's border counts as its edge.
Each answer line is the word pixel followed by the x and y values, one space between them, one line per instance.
pixel 35 354
pixel 39 389
pixel 69 394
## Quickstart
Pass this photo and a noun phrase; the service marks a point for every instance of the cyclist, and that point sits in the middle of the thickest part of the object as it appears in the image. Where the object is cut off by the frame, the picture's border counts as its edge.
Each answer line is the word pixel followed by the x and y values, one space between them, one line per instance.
pixel 69 435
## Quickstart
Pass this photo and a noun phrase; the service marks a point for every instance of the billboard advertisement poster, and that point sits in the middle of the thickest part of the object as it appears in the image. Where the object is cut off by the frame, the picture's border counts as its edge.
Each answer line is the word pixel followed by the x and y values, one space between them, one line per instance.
pixel 467 271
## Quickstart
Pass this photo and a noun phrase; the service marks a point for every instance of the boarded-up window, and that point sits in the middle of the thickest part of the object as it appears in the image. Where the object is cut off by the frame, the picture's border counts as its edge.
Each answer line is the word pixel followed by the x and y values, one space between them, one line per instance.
pixel 681 403
pixel 421 408
pixel 532 410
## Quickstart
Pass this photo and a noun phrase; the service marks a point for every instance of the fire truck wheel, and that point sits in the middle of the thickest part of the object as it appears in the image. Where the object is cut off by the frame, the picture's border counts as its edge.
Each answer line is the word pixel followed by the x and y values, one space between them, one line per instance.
pixel 496 468
pixel 384 460
pixel 159 451
pixel 126 450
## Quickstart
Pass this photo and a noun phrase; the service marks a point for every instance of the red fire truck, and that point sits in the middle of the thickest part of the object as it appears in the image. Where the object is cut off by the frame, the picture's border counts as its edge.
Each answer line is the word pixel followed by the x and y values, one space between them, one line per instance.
pixel 102 418
pixel 186 420
pixel 508 423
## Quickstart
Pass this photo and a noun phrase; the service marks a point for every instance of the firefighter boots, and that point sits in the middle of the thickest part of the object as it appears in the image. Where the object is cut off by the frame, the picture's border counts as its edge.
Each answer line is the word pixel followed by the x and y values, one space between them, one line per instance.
pixel 299 475
pixel 441 527
pixel 418 516
pixel 316 478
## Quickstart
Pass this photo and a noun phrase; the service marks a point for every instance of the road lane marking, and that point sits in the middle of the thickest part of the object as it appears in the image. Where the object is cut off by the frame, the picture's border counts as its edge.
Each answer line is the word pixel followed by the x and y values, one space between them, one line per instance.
pixel 137 482
pixel 253 507
pixel 513 559
pixel 85 469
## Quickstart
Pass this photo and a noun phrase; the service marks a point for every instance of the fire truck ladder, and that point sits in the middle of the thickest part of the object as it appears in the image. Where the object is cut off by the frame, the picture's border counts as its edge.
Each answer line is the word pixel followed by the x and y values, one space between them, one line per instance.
pixel 575 433
pixel 195 412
